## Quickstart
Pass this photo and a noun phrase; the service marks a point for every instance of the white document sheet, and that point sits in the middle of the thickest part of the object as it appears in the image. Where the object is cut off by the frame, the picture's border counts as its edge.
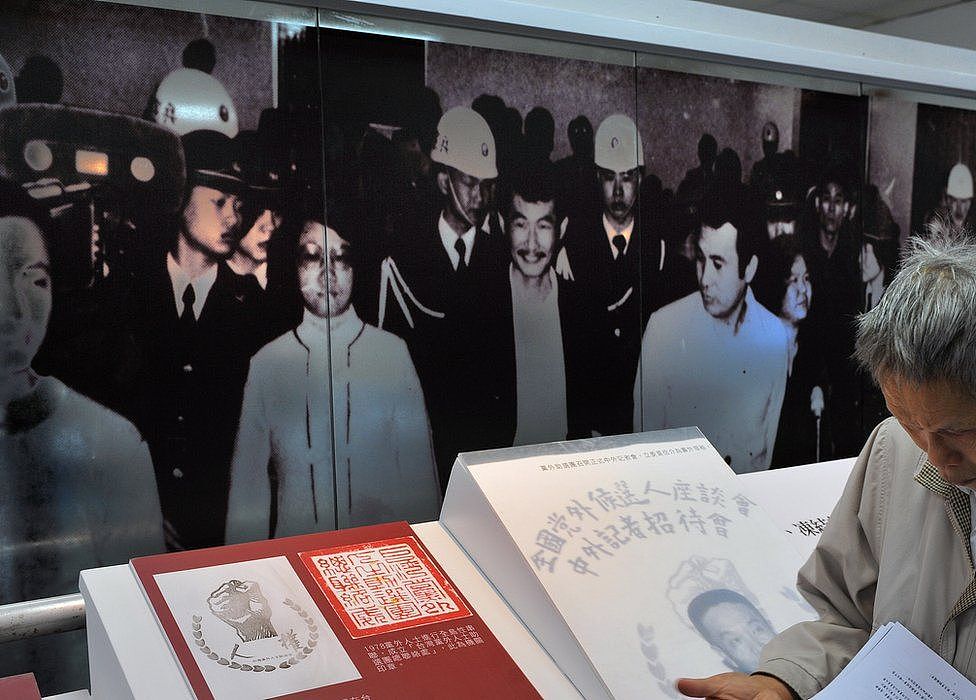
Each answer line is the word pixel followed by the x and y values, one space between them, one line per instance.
pixel 255 615
pixel 896 664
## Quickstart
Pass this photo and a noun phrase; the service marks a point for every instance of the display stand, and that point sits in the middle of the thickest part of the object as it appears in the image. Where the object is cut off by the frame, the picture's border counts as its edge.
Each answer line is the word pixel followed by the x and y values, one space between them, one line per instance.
pixel 130 657
pixel 611 550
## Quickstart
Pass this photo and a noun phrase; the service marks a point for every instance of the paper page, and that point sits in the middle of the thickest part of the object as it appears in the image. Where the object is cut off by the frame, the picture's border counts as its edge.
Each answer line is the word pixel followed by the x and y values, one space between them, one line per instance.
pixel 895 664
pixel 254 629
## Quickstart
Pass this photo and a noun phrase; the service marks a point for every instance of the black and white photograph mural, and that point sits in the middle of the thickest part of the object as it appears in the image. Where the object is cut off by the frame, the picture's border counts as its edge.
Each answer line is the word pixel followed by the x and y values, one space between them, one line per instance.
pixel 266 279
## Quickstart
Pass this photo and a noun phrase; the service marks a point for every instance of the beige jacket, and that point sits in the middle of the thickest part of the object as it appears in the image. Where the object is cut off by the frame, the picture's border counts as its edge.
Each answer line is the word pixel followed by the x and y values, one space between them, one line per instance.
pixel 896 548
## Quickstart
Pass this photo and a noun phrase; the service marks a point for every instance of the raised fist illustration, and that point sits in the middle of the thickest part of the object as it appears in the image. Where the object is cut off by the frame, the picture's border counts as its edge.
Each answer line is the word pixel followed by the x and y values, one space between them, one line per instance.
pixel 242 606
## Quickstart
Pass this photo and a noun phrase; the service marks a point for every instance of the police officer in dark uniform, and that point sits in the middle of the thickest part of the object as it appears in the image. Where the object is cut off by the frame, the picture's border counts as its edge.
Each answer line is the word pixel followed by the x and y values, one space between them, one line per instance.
pixel 832 255
pixel 188 321
pixel 618 257
pixel 439 290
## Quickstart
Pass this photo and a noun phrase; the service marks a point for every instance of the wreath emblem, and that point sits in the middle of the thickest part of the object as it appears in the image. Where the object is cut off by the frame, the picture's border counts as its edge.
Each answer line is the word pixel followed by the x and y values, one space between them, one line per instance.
pixel 243 607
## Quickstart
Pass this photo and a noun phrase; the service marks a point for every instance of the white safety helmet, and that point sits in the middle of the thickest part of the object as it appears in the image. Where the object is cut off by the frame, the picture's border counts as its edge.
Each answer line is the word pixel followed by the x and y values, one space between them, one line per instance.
pixel 8 95
pixel 464 142
pixel 190 100
pixel 960 182
pixel 617 145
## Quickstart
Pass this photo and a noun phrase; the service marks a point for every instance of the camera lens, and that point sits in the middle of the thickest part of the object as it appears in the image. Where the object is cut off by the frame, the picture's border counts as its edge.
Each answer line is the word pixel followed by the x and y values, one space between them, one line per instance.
pixel 38 155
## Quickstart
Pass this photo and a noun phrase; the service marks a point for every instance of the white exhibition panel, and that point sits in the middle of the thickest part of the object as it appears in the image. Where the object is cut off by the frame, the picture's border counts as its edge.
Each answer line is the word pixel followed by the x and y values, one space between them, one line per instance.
pixel 655 520
pixel 130 657
pixel 800 499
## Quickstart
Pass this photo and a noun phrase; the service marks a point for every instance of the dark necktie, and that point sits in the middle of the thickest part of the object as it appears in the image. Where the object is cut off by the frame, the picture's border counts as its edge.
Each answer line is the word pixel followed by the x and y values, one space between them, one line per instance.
pixel 620 243
pixel 461 250
pixel 187 319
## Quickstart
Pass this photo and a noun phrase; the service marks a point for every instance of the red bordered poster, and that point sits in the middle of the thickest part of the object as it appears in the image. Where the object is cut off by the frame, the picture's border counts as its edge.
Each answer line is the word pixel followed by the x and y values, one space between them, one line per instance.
pixel 360 614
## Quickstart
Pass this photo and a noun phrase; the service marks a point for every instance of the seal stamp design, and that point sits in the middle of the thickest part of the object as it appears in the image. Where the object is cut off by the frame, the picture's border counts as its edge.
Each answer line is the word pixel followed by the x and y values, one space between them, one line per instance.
pixel 384 586
pixel 242 607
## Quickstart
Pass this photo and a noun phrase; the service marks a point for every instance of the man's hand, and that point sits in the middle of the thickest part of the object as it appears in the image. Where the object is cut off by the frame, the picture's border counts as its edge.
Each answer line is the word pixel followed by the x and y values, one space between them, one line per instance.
pixel 735 686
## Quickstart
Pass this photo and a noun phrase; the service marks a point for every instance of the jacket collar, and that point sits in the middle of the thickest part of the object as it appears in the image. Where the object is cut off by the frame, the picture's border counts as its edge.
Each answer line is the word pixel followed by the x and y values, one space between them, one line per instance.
pixel 957 503
pixel 929 477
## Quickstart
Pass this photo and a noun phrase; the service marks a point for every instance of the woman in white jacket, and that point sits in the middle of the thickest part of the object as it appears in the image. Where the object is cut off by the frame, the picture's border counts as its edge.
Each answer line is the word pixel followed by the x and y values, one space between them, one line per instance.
pixel 318 450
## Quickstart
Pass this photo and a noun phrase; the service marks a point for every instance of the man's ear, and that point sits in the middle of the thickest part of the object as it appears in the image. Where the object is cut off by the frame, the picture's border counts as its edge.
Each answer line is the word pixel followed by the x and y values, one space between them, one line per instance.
pixel 442 182
pixel 816 202
pixel 562 227
pixel 849 210
pixel 751 269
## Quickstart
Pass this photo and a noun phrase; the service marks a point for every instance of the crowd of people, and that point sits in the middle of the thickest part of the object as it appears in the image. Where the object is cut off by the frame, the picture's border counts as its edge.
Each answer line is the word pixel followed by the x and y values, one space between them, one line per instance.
pixel 284 349
pixel 301 354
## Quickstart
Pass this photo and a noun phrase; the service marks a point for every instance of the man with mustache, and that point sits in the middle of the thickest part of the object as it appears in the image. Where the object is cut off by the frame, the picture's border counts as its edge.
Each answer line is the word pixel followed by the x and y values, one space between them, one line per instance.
pixel 617 255
pixel 190 326
pixel 550 350
pixel 717 358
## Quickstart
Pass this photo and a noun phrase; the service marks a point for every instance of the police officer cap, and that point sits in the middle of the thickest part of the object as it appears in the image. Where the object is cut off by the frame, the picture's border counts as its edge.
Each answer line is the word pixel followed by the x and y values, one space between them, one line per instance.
pixel 258 171
pixel 188 100
pixel 617 145
pixel 960 182
pixel 780 194
pixel 212 160
pixel 8 96
pixel 465 142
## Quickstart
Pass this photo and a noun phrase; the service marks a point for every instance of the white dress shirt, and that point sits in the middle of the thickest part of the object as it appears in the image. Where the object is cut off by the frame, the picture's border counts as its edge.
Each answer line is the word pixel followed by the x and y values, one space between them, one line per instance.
pixel 612 233
pixel 695 370
pixel 540 369
pixel 449 238
pixel 201 285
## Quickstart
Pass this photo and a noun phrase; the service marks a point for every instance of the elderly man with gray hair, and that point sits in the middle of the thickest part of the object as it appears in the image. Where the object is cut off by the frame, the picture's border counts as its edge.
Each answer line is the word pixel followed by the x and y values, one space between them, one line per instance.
pixel 899 544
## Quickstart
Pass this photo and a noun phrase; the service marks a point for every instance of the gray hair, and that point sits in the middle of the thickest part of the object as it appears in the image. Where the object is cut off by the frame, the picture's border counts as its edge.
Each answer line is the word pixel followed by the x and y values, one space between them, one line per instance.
pixel 924 328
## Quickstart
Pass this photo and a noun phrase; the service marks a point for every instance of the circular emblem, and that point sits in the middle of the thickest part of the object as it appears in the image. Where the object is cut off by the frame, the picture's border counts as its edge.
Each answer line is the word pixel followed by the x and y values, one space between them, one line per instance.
pixel 484 149
pixel 614 142
pixel 224 113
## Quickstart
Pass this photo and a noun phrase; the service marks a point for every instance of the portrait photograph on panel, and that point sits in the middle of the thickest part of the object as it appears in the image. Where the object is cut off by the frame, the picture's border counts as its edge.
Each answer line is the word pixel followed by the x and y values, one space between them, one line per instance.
pixel 152 166
pixel 764 185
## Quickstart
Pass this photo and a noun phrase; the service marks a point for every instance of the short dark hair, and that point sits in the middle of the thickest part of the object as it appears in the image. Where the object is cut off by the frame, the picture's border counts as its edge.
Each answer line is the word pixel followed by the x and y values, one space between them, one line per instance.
pixel 703 602
pixel 775 263
pixel 533 183
pixel 837 175
pixel 722 205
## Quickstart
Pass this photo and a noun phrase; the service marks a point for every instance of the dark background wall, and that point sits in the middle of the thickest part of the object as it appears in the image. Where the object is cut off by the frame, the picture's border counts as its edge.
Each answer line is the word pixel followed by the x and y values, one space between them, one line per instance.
pixel 891 156
pixel 113 56
pixel 675 109
pixel 565 87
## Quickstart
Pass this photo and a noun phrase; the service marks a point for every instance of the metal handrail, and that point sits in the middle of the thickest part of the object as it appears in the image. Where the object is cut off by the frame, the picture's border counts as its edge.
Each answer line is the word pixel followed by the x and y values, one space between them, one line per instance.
pixel 33 618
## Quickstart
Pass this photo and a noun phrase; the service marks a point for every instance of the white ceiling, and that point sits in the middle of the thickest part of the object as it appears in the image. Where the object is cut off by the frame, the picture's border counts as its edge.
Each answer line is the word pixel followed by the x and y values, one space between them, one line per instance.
pixel 859 14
